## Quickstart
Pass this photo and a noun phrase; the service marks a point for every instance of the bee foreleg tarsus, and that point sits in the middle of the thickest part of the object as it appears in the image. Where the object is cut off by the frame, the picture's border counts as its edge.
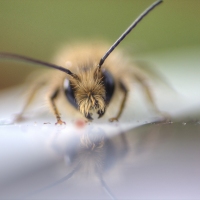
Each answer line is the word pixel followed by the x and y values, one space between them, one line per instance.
pixel 125 91
pixel 113 119
pixel 55 109
pixel 60 122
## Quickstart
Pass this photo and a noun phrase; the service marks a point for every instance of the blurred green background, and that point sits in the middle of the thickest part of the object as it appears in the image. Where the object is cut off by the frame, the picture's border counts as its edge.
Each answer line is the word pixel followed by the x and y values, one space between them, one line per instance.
pixel 38 28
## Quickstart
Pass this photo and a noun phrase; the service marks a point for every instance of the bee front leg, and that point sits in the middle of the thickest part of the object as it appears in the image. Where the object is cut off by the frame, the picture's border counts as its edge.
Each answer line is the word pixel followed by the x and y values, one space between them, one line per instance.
pixel 55 110
pixel 125 91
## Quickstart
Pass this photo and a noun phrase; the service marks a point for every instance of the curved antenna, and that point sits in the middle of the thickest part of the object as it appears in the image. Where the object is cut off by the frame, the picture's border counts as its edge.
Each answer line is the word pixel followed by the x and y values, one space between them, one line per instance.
pixel 106 188
pixel 35 61
pixel 128 30
pixel 65 178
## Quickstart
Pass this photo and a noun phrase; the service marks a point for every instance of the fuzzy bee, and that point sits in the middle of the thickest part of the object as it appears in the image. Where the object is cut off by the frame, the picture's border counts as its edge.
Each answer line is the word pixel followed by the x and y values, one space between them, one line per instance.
pixel 86 81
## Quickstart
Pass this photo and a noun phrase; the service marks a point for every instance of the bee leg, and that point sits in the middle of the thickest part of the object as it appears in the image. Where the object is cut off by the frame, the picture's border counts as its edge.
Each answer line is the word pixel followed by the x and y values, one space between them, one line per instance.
pixel 125 91
pixel 33 90
pixel 55 110
pixel 150 98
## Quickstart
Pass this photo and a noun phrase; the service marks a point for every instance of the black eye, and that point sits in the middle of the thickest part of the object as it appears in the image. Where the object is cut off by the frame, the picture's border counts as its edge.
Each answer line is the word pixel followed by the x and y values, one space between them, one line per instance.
pixel 69 93
pixel 109 83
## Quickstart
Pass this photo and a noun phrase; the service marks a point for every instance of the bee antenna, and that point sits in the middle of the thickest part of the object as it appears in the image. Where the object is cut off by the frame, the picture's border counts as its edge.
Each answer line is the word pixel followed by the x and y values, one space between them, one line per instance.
pixel 106 188
pixel 128 30
pixel 35 61
pixel 65 178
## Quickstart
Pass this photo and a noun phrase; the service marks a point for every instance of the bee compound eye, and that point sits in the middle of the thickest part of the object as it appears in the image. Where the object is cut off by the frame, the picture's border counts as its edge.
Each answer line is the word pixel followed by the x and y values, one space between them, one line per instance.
pixel 109 83
pixel 69 93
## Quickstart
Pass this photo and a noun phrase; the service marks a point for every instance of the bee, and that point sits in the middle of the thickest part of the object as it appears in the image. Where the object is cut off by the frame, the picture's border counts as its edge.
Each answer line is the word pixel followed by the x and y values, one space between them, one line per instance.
pixel 87 83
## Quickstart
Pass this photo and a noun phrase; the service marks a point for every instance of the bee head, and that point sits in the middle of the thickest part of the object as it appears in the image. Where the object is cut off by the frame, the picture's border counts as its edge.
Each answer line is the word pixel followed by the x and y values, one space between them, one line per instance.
pixel 89 92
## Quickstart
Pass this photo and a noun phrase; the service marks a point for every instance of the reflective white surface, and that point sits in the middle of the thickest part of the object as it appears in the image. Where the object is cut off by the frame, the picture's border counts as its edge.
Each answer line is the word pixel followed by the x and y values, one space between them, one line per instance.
pixel 152 161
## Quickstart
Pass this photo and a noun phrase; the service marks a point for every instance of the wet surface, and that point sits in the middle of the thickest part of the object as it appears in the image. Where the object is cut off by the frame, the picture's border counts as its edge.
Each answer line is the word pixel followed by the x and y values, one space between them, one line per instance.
pixel 154 161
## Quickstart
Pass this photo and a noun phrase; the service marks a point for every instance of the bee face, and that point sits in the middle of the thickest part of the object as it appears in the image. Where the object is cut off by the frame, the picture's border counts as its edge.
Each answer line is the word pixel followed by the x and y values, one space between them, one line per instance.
pixel 90 91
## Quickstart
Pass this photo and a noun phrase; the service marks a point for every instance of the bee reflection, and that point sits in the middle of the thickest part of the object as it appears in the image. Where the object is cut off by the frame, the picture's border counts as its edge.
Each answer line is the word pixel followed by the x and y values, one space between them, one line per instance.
pixel 95 152
pixel 92 158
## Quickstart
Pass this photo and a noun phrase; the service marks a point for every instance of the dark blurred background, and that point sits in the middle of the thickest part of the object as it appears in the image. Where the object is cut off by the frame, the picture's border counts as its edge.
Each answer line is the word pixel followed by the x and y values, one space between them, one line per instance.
pixel 38 28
